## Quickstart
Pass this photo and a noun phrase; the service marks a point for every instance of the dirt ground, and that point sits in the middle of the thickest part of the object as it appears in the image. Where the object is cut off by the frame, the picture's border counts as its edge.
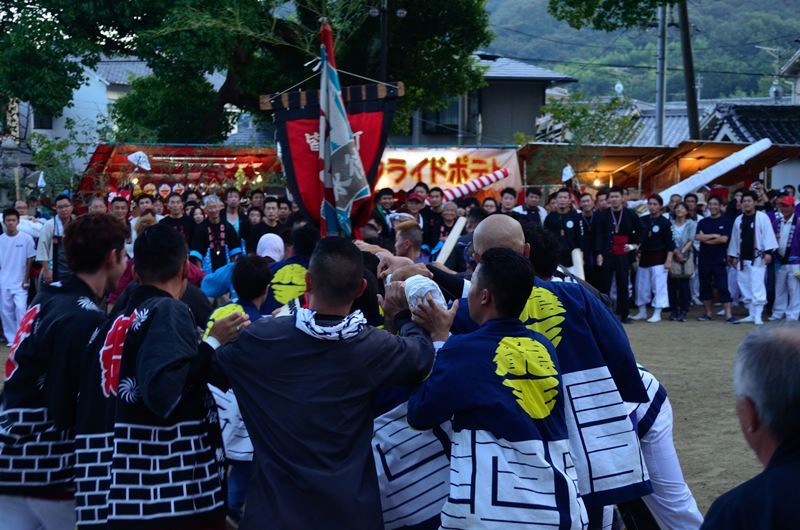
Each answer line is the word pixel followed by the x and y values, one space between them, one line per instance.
pixel 694 361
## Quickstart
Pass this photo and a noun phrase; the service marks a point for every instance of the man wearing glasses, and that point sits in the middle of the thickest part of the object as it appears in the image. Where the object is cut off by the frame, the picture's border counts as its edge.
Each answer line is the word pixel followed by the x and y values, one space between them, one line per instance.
pixel 50 251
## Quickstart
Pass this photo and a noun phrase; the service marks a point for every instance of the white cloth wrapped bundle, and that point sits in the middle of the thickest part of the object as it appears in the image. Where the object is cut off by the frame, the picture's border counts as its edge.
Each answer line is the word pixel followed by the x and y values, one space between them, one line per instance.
pixel 417 288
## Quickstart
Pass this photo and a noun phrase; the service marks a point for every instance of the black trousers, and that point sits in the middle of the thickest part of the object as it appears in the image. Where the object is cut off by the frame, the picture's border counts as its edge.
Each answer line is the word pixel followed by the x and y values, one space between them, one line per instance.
pixel 594 275
pixel 619 269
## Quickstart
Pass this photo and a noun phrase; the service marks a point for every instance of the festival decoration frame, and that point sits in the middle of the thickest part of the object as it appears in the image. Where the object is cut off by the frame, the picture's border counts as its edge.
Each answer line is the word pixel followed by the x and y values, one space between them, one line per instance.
pixel 370 109
pixel 316 168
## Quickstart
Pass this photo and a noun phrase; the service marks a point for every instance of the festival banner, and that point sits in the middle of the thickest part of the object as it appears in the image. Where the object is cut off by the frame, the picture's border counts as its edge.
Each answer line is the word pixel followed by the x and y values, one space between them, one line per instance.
pixel 298 135
pixel 446 167
pixel 345 183
pixel 319 134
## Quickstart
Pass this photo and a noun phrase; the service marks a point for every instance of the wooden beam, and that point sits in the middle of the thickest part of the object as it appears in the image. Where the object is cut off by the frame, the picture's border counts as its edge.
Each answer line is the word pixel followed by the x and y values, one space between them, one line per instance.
pixel 350 94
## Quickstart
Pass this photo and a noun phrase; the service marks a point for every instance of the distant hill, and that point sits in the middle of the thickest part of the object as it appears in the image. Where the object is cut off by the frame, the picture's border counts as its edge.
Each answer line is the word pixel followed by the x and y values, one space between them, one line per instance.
pixel 724 40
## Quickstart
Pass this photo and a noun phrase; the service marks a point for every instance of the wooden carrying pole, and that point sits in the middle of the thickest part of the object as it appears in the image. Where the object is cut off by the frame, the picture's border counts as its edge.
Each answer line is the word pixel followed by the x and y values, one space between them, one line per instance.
pixel 350 94
pixel 452 239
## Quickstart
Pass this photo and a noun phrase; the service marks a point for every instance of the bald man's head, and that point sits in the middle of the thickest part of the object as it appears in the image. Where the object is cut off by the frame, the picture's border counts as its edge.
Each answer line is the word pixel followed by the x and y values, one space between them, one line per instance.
pixel 499 231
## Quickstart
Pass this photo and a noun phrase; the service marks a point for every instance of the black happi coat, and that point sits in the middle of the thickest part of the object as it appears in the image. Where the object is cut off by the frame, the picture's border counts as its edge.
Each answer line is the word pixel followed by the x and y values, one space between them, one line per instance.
pixel 37 416
pixel 568 228
pixel 166 469
pixel 99 388
pixel 629 225
pixel 307 404
pixel 217 241
pixel 183 225
pixel 656 240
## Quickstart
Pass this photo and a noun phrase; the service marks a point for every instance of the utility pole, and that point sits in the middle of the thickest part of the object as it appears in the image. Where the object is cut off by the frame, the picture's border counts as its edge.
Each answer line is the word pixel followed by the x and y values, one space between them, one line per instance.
pixel 775 90
pixel 699 87
pixel 462 125
pixel 17 172
pixel 688 71
pixel 661 74
pixel 384 39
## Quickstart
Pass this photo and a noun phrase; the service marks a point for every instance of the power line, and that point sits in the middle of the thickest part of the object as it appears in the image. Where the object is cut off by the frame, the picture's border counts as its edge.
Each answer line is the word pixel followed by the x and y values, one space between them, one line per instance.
pixel 631 48
pixel 581 69
pixel 751 43
pixel 633 66
pixel 556 41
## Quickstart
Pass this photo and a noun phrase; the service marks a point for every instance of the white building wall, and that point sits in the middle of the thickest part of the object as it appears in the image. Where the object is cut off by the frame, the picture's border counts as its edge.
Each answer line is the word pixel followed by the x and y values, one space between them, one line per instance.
pixel 90 105
pixel 787 172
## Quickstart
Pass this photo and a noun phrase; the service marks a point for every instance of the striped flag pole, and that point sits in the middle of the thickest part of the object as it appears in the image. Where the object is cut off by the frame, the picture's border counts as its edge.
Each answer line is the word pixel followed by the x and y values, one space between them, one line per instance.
pixel 473 185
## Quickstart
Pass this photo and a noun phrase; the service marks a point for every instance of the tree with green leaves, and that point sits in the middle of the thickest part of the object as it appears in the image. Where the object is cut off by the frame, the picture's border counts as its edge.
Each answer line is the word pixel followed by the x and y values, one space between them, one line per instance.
pixel 260 46
pixel 606 15
pixel 55 157
pixel 580 122
pixel 724 36
pixel 593 121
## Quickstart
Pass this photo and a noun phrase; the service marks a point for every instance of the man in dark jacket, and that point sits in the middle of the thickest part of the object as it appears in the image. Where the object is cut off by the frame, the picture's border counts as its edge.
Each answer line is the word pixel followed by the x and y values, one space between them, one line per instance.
pixel 567 225
pixel 37 408
pixel 144 406
pixel 766 374
pixel 617 235
pixel 215 242
pixel 305 385
pixel 654 262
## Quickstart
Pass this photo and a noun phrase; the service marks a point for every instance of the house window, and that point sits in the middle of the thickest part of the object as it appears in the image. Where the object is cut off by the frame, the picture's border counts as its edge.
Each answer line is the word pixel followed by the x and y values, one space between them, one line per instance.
pixel 445 121
pixel 42 120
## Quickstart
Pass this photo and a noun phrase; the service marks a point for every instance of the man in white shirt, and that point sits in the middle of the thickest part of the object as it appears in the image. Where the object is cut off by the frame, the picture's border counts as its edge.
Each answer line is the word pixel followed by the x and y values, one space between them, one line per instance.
pixel 787 286
pixel 28 223
pixel 50 248
pixel 531 209
pixel 750 250
pixel 16 255
pixel 144 203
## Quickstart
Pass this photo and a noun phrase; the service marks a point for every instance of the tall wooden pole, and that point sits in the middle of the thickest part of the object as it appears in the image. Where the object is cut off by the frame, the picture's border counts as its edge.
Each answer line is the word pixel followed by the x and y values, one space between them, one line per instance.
pixel 688 72
pixel 661 74
pixel 384 19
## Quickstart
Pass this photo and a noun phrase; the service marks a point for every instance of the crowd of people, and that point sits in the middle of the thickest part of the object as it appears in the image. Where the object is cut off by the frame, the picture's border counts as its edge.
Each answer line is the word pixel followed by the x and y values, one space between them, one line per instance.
pixel 699 249
pixel 214 361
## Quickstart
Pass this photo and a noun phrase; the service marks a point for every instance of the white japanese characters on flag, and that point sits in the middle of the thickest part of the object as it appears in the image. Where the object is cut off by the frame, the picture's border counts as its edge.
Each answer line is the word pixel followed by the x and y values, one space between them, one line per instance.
pixel 313 140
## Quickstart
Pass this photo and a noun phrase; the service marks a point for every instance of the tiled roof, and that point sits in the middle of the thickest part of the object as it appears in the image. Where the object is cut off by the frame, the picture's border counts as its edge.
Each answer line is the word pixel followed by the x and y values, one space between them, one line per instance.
pixel 119 70
pixel 252 132
pixel 512 69
pixel 792 66
pixel 705 106
pixel 676 128
pixel 250 137
pixel 749 123
pixel 676 121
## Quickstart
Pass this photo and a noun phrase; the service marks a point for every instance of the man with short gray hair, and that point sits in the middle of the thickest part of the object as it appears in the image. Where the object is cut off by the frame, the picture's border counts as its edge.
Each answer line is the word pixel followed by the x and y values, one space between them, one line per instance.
pixel 215 242
pixel 766 377
pixel 97 205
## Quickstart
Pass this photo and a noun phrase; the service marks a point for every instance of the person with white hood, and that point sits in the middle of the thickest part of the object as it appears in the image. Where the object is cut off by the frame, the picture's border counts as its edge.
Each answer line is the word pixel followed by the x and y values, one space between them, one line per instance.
pixel 220 282
pixel 750 250
pixel 271 246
